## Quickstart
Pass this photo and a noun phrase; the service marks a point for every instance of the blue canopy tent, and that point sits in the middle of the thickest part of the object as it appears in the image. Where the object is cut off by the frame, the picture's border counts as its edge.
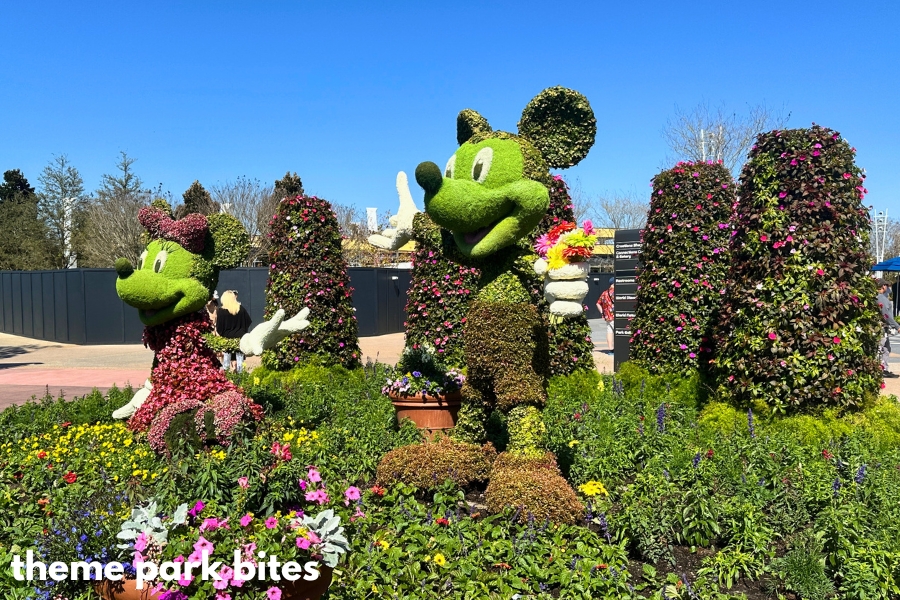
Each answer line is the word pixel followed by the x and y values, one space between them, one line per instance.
pixel 891 264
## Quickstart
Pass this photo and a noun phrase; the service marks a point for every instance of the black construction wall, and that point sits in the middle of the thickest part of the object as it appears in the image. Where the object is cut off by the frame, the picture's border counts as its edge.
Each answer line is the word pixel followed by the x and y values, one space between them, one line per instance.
pixel 80 306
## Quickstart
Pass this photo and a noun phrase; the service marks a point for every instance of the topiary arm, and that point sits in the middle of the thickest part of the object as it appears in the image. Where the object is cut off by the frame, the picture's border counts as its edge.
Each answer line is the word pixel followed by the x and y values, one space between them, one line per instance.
pixel 401 223
pixel 266 335
pixel 137 400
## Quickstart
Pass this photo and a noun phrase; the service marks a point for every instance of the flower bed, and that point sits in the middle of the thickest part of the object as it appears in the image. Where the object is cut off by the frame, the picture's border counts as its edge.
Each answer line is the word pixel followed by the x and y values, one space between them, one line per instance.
pixel 679 499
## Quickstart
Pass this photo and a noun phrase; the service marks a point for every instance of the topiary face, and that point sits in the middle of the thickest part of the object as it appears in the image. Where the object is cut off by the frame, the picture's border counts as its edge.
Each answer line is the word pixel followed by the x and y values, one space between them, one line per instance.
pixel 494 189
pixel 484 197
pixel 180 267
pixel 163 287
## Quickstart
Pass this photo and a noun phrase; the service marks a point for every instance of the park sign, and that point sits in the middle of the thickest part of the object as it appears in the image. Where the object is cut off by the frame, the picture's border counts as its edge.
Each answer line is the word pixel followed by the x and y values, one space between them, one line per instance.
pixel 627 250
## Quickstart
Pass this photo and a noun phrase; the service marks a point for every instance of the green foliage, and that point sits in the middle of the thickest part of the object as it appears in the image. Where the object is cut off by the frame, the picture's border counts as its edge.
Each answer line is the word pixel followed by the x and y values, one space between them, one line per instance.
pixel 14 184
pixel 289 186
pixel 527 432
pixel 561 124
pixel 469 123
pixel 537 493
pixel 230 241
pixel 428 465
pixel 800 325
pixel 308 270
pixel 685 261
pixel 218 344
pixel 23 236
pixel 506 354
pixel 197 200
pixel 803 569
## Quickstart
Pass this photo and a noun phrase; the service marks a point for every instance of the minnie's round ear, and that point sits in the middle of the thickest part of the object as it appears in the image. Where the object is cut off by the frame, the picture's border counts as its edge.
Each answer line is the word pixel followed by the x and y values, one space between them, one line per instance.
pixel 560 123
pixel 468 123
pixel 231 242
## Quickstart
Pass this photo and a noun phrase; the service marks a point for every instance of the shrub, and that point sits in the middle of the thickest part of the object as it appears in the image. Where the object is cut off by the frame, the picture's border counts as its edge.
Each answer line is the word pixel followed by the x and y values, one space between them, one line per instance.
pixel 428 465
pixel 438 296
pixel 684 262
pixel 308 270
pixel 800 325
pixel 534 490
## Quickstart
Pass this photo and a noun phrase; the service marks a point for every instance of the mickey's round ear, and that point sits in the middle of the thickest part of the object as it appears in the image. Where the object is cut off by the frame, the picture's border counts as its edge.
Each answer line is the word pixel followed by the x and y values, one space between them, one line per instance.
pixel 560 123
pixel 468 123
pixel 230 241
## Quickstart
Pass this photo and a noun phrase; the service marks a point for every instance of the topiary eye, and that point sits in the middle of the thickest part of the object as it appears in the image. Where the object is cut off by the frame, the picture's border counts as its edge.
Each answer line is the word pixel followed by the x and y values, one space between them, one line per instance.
pixel 482 165
pixel 450 169
pixel 160 261
pixel 142 259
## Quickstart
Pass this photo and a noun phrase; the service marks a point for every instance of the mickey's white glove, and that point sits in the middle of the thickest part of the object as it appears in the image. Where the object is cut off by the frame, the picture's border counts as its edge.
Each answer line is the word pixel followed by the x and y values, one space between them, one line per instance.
pixel 137 400
pixel 564 288
pixel 400 231
pixel 265 335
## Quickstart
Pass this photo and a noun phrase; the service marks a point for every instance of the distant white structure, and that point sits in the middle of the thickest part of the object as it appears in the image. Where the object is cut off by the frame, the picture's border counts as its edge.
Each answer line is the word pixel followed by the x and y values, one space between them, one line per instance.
pixel 372 219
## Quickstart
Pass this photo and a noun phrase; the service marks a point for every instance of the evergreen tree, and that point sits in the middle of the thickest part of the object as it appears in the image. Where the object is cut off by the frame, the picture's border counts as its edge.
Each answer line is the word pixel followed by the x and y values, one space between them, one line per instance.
pixel 23 236
pixel 800 324
pixel 307 269
pixel 289 186
pixel 14 184
pixel 197 200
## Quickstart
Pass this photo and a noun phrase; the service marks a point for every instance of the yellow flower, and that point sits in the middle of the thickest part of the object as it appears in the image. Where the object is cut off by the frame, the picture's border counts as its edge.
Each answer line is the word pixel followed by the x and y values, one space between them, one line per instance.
pixel 572 443
pixel 256 381
pixel 288 437
pixel 601 386
pixel 593 488
pixel 128 442
pixel 439 559
pixel 555 258
pixel 384 544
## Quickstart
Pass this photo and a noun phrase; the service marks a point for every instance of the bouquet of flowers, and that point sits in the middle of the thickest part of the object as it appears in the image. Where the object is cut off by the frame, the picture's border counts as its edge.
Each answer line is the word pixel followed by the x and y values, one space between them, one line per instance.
pixel 422 371
pixel 563 252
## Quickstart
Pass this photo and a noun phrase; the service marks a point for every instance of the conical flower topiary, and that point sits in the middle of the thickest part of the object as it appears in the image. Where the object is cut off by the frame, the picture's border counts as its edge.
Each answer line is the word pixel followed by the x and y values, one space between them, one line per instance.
pixel 685 262
pixel 307 268
pixel 570 339
pixel 800 325
pixel 439 293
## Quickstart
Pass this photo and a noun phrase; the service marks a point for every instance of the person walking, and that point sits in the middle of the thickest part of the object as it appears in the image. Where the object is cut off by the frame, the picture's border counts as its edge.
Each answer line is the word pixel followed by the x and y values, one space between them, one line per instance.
pixel 888 324
pixel 606 305
pixel 232 321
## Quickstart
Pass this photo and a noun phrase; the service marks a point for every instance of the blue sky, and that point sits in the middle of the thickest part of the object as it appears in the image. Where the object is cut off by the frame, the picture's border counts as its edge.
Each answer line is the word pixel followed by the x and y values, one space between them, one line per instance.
pixel 347 94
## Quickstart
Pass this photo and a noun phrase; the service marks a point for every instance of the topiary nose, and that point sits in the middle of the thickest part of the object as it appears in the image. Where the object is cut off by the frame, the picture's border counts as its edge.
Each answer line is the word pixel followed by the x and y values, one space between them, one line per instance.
pixel 124 268
pixel 429 177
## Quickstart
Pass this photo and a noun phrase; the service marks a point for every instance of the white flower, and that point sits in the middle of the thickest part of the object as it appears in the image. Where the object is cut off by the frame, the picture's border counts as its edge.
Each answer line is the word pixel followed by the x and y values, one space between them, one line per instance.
pixel 759 286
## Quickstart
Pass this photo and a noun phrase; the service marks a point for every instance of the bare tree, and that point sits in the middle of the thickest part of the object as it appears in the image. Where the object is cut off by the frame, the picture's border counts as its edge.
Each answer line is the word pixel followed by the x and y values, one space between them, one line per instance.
pixel 254 204
pixel 355 230
pixel 112 229
pixel 704 133
pixel 62 205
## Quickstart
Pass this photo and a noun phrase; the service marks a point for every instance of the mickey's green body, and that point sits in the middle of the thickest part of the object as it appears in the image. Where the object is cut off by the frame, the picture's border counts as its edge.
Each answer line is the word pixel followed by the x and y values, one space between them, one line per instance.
pixel 491 194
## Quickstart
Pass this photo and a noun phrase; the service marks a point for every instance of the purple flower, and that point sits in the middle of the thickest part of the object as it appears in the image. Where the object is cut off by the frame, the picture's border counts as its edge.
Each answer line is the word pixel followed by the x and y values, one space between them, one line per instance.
pixel 661 418
pixel 836 486
pixel 750 422
pixel 860 474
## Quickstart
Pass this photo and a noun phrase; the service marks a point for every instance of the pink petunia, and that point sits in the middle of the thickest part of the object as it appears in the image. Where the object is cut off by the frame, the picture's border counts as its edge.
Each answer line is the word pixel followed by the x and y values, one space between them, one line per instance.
pixel 273 593
pixel 303 543
pixel 772 335
pixel 271 523
pixel 203 545
pixel 246 520
pixel 314 475
pixel 351 494
pixel 243 482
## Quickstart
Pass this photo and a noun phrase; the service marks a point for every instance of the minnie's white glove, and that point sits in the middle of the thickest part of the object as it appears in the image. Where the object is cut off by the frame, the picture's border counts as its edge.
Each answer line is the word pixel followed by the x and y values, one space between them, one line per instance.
pixel 265 335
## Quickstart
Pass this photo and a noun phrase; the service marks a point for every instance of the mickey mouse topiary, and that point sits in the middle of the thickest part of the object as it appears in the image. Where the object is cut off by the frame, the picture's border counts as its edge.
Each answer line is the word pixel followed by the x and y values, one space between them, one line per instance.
pixel 685 261
pixel 800 324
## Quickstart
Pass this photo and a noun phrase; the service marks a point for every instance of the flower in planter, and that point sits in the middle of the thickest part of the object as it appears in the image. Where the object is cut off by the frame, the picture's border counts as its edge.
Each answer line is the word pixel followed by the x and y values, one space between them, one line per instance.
pixel 422 371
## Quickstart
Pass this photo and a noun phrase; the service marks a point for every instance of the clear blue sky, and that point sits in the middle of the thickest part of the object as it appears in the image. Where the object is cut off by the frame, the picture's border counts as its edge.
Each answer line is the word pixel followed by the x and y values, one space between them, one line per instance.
pixel 347 96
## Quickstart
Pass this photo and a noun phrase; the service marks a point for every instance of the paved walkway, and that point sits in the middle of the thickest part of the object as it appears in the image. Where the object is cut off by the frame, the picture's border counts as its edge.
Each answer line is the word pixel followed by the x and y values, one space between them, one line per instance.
pixel 30 367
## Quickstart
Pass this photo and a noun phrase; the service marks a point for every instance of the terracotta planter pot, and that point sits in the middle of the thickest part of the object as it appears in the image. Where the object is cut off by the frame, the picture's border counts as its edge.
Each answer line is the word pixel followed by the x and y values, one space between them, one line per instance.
pixel 290 590
pixel 430 413
pixel 124 590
